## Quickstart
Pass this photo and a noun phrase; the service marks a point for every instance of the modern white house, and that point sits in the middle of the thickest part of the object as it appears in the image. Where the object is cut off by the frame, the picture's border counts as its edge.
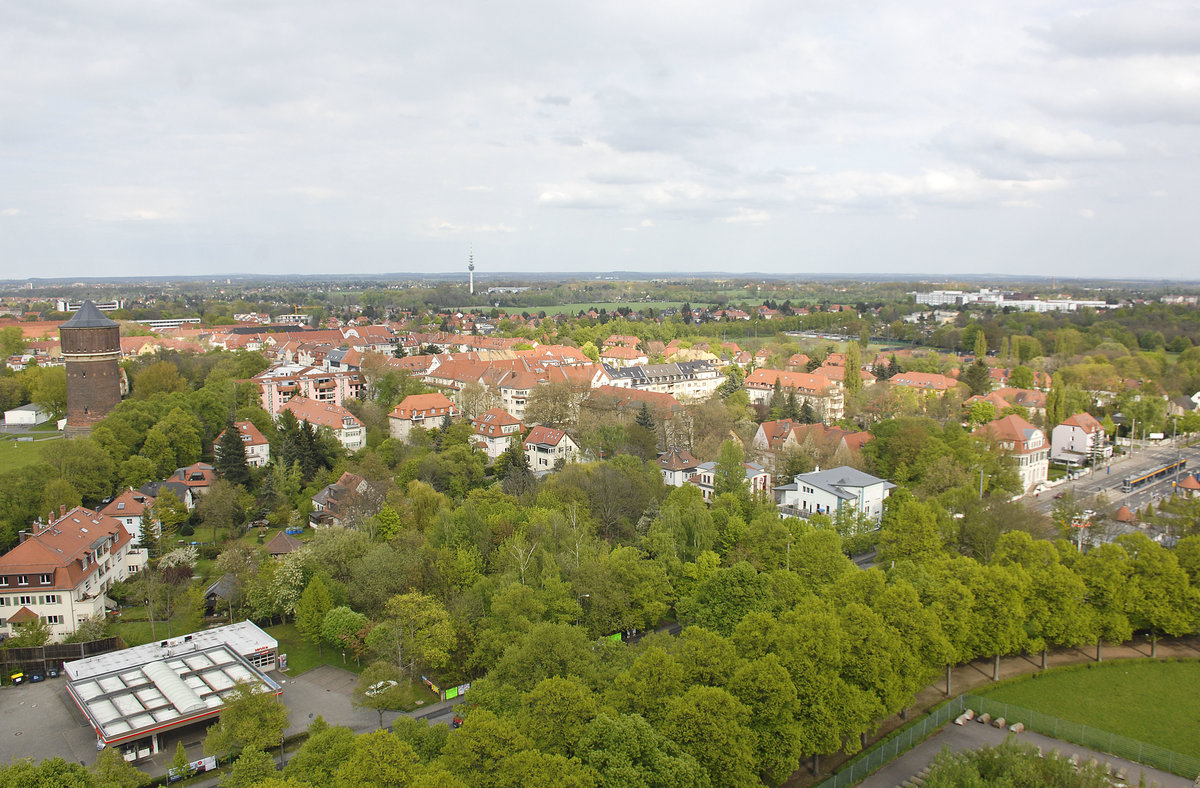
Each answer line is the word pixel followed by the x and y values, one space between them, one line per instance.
pixel 825 492
pixel 1079 440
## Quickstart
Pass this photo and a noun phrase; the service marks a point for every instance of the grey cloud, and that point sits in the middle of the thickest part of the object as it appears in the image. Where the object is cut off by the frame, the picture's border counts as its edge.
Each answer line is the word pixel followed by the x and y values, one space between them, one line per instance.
pixel 1128 29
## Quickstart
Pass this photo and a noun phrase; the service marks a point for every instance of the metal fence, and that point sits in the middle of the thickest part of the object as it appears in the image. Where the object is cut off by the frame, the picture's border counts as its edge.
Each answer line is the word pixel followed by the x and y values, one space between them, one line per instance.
pixel 900 742
pixel 1084 735
pixel 1089 736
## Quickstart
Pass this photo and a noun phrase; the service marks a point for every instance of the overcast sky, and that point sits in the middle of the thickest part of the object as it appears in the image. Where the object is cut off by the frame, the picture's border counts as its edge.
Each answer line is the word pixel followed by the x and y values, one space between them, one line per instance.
pixel 995 136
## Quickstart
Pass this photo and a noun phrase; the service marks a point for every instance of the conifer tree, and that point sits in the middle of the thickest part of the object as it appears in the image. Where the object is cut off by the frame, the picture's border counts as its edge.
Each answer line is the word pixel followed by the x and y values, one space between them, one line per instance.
pixel 230 461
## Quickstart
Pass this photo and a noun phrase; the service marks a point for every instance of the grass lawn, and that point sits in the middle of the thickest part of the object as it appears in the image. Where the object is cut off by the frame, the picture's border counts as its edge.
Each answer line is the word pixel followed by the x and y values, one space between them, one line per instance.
pixel 16 454
pixel 1153 702
pixel 302 656
pixel 134 627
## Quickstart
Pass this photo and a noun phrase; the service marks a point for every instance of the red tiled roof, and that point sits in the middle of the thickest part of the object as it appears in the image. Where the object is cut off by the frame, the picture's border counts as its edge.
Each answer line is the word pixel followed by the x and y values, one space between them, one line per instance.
pixel 801 381
pixel 130 503
pixel 545 436
pixel 424 406
pixel 56 549
pixel 677 460
pixel 320 414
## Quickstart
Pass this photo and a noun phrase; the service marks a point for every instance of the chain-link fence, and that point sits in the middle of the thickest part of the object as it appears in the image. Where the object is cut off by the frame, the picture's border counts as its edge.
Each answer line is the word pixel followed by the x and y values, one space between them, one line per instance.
pixel 1088 736
pixel 900 742
pixel 1084 735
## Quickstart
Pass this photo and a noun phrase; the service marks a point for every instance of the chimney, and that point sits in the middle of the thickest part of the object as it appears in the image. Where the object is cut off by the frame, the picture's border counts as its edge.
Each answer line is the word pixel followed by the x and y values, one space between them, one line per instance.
pixel 22 536
pixel 62 510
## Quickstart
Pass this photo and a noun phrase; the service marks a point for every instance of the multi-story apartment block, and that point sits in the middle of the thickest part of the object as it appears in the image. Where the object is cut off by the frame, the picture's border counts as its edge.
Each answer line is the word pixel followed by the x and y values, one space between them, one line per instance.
pixel 283 381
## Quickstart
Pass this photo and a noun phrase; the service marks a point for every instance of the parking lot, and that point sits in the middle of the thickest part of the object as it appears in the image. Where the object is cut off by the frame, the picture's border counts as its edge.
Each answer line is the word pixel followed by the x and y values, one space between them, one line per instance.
pixel 41 721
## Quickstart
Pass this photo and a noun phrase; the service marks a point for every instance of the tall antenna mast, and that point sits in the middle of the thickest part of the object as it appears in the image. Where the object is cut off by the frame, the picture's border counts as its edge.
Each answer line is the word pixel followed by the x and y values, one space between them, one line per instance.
pixel 471 266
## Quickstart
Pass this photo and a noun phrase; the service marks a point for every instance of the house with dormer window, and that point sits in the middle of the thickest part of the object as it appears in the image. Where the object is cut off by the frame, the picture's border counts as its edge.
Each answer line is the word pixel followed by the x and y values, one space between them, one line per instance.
pixel 494 430
pixel 344 425
pixel 61 568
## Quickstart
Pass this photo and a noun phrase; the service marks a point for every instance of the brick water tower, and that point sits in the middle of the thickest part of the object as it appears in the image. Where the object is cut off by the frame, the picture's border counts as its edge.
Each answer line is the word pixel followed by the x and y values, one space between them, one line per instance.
pixel 91 348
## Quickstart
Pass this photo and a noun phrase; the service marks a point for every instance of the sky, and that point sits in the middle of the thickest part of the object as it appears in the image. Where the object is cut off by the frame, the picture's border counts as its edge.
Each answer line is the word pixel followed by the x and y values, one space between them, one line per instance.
pixel 824 136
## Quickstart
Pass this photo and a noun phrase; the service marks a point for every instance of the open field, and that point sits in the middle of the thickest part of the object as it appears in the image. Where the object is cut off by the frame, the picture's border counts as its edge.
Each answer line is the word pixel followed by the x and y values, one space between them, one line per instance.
pixel 17 454
pixel 611 306
pixel 1151 701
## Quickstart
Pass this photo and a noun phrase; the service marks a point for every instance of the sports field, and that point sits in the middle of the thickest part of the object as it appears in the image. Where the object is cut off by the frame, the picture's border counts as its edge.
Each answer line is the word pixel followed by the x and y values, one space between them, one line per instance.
pixel 1150 701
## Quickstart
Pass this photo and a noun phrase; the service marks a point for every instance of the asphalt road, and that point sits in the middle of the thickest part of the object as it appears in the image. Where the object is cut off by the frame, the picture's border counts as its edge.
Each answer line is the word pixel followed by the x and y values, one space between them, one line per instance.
pixel 1108 480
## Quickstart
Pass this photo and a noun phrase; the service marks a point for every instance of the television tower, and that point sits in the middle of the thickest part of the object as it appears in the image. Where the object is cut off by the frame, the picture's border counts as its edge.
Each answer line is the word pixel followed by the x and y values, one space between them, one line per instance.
pixel 471 268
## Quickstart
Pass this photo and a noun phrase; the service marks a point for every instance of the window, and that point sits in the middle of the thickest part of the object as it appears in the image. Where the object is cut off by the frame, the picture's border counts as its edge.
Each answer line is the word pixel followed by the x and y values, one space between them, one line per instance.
pixel 25 600
pixel 3 581
pixel 22 580
pixel 53 619
pixel 46 579
pixel 50 599
pixel 133 568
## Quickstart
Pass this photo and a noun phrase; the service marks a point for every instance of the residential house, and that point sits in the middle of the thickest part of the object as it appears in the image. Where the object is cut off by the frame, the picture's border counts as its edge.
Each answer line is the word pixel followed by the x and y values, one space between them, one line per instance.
pixel 495 429
pixel 60 570
pixel 758 480
pixel 774 439
pixel 1079 440
pixel 154 490
pixel 281 544
pixel 826 492
pixel 344 425
pixel 545 447
pixel 420 410
pixel 197 477
pixel 682 380
pixel 256 447
pixel 620 356
pixel 924 381
pixel 677 466
pixel 346 502
pixel 133 509
pixel 1025 443
pixel 822 394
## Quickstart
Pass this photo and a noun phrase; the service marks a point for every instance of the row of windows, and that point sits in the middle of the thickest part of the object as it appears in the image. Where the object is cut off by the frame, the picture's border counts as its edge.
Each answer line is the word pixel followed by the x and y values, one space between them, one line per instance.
pixel 23 580
pixel 30 599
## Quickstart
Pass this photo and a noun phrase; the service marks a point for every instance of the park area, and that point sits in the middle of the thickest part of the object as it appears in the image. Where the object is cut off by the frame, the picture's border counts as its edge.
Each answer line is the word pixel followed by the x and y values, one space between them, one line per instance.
pixel 16 454
pixel 1147 700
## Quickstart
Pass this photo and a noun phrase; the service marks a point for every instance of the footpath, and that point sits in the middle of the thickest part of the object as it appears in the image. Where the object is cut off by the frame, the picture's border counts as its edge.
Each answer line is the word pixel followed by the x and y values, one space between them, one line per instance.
pixel 977 674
